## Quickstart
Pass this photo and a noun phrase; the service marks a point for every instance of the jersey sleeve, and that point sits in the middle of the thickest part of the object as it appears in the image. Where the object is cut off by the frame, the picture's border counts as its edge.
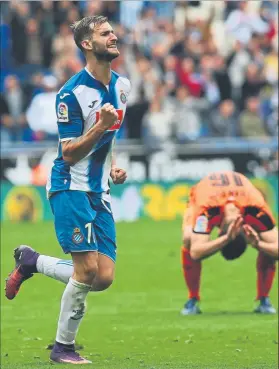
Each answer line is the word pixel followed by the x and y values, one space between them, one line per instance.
pixel 127 85
pixel 259 219
pixel 69 116
pixel 205 221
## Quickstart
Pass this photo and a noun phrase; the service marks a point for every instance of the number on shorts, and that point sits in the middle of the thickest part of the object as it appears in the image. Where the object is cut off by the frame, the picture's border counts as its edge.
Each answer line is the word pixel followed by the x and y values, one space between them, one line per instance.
pixel 91 233
pixel 89 226
pixel 221 179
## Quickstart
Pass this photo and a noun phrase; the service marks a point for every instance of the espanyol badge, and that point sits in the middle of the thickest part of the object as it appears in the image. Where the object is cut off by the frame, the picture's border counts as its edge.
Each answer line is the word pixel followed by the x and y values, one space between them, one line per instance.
pixel 77 236
pixel 123 97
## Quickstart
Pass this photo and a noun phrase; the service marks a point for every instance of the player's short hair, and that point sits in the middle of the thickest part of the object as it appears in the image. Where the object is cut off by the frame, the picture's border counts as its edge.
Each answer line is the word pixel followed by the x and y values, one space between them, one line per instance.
pixel 83 28
pixel 234 249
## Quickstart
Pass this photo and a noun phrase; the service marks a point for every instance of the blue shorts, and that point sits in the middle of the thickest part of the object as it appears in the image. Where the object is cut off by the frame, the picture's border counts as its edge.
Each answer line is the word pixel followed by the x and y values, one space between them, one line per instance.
pixel 83 222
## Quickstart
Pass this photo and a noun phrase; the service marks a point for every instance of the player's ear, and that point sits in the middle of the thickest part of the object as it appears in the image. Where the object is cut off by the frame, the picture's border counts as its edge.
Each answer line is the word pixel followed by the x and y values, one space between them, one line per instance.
pixel 86 44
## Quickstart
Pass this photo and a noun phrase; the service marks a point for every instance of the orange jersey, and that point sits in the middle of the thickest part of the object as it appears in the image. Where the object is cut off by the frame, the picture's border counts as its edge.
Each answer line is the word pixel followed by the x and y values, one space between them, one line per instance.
pixel 211 194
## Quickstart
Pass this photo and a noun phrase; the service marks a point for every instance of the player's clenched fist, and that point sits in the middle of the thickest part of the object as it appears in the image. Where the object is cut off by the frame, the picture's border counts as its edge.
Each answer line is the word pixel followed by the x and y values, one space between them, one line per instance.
pixel 118 175
pixel 108 116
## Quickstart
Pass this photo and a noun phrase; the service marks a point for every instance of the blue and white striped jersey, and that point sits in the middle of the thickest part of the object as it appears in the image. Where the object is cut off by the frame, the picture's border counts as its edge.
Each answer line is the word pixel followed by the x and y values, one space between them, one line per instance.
pixel 78 105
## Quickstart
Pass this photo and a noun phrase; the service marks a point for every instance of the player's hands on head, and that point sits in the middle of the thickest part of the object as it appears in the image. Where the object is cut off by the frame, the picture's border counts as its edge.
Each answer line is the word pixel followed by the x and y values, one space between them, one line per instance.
pixel 235 228
pixel 118 175
pixel 252 237
pixel 108 116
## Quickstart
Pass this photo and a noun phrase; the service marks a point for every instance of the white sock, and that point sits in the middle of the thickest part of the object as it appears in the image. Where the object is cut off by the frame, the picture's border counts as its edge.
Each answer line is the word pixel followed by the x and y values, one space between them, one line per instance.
pixel 72 311
pixel 58 269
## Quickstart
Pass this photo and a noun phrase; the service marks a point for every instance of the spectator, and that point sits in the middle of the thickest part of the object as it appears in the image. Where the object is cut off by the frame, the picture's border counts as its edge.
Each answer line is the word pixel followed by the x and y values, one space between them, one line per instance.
pixel 144 76
pixel 220 63
pixel 144 30
pixel 164 9
pixel 130 13
pixel 6 123
pixel 241 24
pixel 229 7
pixel 269 13
pixel 272 123
pixel 169 73
pixel 224 120
pixel 65 52
pixel 237 63
pixel 47 30
pixel 34 50
pixel 193 46
pixel 19 17
pixel 111 9
pixel 251 123
pixel 93 7
pixel 271 66
pixel 222 78
pixel 13 120
pixel 158 121
pixel 143 79
pixel 161 42
pixel 187 76
pixel 61 10
pixel 33 86
pixel 14 96
pixel 63 44
pixel 272 117
pixel 5 45
pixel 210 88
pixel 41 115
pixel 253 83
pixel 73 15
pixel 188 115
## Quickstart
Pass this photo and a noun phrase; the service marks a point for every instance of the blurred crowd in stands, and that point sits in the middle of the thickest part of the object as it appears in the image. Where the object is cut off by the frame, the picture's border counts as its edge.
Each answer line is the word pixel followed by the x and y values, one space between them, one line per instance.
pixel 197 68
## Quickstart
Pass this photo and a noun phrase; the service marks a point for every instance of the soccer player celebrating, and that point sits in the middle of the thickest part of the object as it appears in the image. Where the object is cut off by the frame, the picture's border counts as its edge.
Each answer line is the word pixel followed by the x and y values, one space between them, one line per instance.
pixel 90 109
pixel 228 200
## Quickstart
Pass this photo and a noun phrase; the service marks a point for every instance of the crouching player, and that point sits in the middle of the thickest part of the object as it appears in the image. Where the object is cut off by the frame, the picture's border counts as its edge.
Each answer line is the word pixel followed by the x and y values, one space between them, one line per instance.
pixel 229 201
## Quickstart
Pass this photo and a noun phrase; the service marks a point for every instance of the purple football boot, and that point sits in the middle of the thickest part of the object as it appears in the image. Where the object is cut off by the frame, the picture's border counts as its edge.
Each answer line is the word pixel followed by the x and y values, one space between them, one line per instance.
pixel 25 265
pixel 66 354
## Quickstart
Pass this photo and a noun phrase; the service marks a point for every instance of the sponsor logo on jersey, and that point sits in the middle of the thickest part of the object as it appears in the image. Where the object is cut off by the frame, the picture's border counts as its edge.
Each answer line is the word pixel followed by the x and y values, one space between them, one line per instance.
pixel 77 236
pixel 63 113
pixel 123 97
pixel 201 224
pixel 117 125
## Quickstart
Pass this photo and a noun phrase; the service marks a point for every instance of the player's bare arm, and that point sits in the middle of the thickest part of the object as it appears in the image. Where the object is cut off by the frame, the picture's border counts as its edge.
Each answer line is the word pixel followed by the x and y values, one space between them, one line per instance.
pixel 202 247
pixel 186 237
pixel 266 242
pixel 187 227
pixel 76 149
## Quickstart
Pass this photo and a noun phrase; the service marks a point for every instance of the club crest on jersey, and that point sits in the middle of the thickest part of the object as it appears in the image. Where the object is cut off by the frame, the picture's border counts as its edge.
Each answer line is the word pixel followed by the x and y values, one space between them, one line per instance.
pixel 117 125
pixel 201 224
pixel 63 112
pixel 123 97
pixel 77 236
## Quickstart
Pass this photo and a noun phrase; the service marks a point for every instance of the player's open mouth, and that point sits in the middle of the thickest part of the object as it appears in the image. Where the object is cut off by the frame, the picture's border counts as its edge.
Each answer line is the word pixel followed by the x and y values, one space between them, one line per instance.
pixel 114 46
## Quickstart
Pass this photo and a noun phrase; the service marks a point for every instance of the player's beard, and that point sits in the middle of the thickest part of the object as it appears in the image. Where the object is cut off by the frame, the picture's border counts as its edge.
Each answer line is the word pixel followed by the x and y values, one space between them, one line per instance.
pixel 102 54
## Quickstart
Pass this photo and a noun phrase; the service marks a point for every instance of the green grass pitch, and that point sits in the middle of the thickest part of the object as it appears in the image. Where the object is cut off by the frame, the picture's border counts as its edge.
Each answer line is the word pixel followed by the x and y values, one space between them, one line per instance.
pixel 136 323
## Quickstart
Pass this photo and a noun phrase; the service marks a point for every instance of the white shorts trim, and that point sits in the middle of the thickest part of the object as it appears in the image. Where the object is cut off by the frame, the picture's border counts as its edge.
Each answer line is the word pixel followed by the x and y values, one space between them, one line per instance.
pixel 66 139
